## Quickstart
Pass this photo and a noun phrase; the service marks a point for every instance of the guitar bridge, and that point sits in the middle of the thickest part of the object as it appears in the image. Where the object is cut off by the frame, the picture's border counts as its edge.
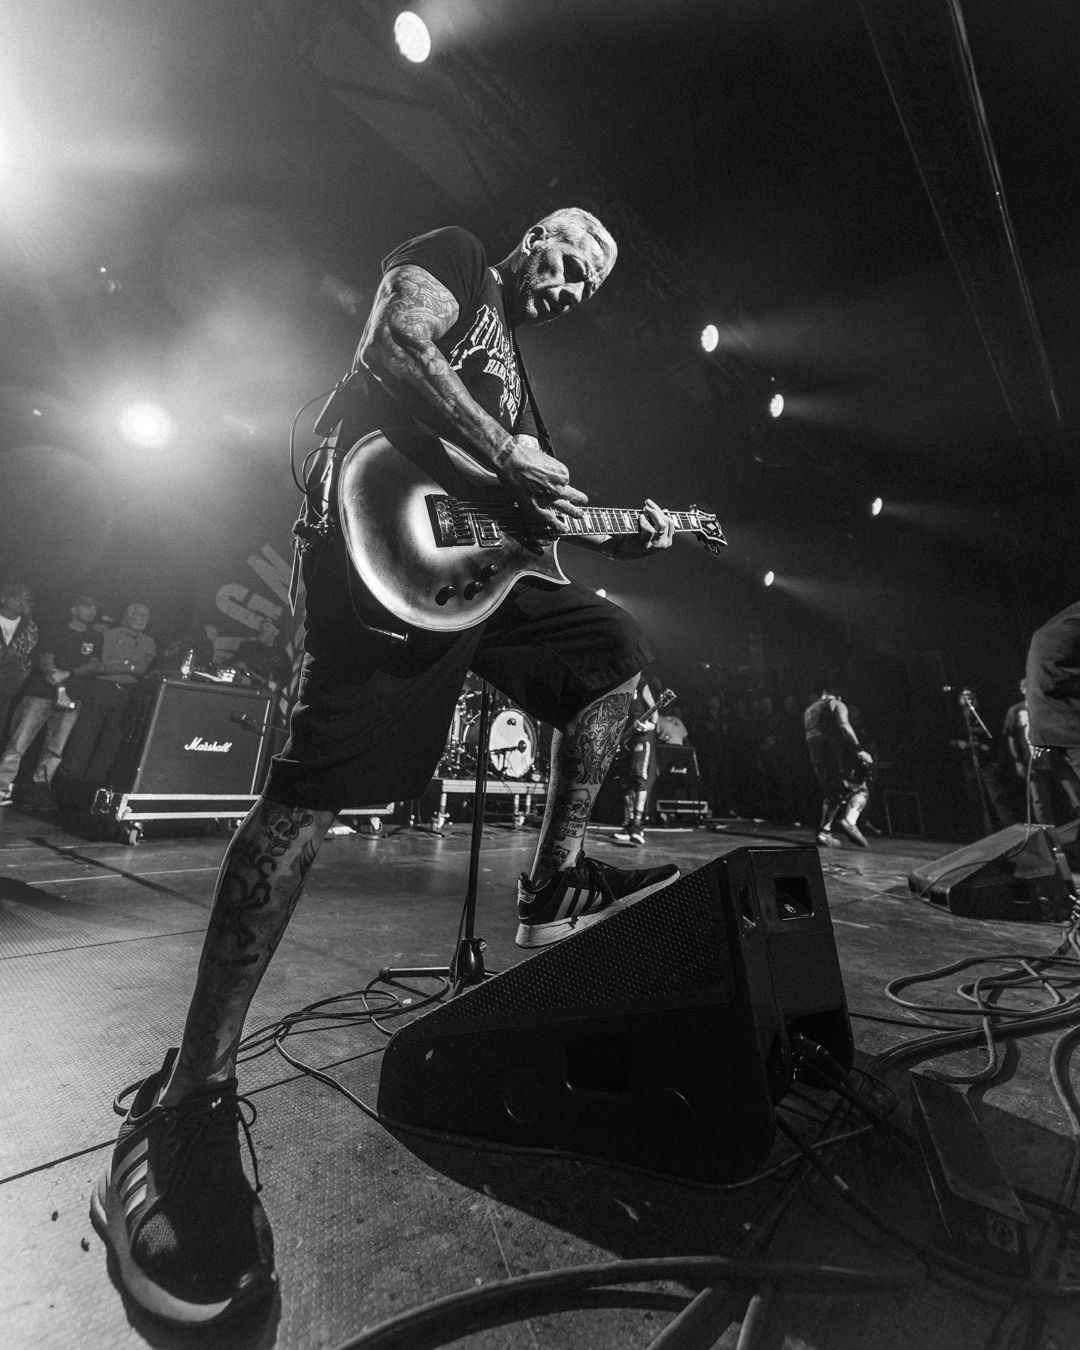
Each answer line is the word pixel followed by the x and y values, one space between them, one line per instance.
pixel 451 523
pixel 488 534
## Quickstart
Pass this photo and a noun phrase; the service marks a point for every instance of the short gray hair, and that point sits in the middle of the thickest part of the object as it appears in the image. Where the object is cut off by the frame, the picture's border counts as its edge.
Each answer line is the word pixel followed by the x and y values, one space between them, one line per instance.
pixel 571 222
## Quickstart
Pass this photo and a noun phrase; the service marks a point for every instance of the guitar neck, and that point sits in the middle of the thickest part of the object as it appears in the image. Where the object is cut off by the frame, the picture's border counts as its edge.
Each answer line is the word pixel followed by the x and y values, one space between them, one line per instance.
pixel 624 520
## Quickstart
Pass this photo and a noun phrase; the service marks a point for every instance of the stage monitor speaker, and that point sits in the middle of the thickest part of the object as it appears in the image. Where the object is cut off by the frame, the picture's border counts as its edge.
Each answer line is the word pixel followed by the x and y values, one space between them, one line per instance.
pixel 654 1039
pixel 193 739
pixel 1016 873
pixel 1068 836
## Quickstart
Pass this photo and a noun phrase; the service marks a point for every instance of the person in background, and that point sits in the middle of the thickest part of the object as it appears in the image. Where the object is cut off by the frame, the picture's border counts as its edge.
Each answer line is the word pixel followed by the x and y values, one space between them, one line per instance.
pixel 708 734
pixel 195 650
pixel 18 642
pixel 1049 781
pixel 670 727
pixel 639 770
pixel 127 653
pixel 1053 691
pixel 51 699
pixel 263 659
pixel 831 741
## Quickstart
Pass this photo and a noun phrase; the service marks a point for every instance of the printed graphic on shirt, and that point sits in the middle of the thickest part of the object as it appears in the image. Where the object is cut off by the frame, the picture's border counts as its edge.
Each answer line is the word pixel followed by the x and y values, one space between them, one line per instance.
pixel 485 352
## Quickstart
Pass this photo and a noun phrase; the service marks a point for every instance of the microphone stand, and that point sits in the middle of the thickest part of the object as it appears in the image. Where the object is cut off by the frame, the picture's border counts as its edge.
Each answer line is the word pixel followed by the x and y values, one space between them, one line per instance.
pixel 467 965
pixel 971 718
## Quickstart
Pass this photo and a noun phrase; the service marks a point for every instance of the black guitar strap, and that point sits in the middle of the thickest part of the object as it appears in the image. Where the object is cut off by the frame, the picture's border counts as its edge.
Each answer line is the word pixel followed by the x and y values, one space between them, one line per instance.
pixel 542 434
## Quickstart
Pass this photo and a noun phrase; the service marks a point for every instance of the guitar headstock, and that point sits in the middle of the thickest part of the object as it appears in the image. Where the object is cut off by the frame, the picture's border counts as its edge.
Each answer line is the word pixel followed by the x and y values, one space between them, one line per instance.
pixel 707 528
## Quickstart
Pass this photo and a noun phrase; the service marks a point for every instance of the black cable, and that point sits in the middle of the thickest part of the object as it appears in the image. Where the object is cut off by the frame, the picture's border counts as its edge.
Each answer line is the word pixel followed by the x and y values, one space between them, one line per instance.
pixel 933 1255
pixel 490 1299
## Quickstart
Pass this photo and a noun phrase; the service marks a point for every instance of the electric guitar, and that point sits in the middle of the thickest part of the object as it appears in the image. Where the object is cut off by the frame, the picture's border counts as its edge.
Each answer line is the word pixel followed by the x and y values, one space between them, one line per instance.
pixel 668 696
pixel 437 543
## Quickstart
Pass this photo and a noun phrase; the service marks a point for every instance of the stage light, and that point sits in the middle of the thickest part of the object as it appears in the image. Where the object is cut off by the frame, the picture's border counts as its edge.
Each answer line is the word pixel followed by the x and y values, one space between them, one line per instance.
pixel 710 338
pixel 602 593
pixel 146 425
pixel 875 506
pixel 769 578
pixel 412 37
pixel 776 405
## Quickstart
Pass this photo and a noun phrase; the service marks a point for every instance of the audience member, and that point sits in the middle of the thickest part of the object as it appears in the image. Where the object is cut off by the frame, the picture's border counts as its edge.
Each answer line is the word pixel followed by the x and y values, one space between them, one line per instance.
pixel 51 698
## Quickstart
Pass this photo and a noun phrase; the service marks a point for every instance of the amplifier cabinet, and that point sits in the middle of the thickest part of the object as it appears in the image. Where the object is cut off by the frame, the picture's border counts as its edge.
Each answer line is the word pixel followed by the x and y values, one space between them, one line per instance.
pixel 189 739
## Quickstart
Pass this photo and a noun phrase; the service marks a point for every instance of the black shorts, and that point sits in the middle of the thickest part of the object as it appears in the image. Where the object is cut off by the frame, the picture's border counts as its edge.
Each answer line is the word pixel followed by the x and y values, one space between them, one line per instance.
pixel 372 715
pixel 640 768
pixel 827 761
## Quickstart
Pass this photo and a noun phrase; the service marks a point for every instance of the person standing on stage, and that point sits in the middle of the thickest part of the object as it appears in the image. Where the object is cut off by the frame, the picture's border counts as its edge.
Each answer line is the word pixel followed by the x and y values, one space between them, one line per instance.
pixel 831 742
pixel 18 641
pixel 640 768
pixel 263 658
pixel 127 652
pixel 51 699
pixel 1048 779
pixel 1053 692
pixel 370 722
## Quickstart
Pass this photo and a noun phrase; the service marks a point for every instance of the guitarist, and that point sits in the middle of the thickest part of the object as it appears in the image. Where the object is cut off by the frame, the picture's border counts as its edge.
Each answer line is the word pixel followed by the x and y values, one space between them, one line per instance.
pixel 370 723
pixel 639 771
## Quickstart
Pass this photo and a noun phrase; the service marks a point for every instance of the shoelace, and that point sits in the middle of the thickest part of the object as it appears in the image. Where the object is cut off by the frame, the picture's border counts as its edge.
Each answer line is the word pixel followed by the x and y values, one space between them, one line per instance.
pixel 187 1111
pixel 189 1122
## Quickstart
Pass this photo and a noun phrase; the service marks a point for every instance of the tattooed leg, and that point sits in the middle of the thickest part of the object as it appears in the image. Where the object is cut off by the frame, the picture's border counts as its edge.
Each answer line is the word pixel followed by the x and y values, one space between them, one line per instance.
pixel 580 759
pixel 258 886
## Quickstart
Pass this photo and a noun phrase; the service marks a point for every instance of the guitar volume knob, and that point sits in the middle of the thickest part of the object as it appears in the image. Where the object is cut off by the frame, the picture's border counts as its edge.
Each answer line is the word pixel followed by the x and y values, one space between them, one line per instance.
pixel 447 593
pixel 488 571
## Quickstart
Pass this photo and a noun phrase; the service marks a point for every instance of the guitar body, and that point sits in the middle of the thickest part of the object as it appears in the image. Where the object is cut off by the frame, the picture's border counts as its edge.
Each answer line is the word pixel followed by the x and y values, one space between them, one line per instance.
pixel 391 487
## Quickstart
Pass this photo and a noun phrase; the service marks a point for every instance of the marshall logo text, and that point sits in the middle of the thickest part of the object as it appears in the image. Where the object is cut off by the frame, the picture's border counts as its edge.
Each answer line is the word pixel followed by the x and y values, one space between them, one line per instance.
pixel 215 747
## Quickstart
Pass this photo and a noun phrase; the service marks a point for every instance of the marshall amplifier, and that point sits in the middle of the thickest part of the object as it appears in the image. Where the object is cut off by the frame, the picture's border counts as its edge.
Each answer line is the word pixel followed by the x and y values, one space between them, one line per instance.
pixel 190 739
pixel 677 792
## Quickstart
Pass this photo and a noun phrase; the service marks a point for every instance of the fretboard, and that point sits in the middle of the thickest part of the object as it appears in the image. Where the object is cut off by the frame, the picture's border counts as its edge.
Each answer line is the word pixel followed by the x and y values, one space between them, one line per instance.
pixel 624 520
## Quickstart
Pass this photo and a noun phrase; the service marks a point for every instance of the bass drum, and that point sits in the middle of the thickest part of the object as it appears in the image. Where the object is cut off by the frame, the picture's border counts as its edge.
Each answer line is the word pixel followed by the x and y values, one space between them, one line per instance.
pixel 511 744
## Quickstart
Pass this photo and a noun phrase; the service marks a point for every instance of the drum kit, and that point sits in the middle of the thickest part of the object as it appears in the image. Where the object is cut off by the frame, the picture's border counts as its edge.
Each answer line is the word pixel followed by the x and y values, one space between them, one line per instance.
pixel 513 743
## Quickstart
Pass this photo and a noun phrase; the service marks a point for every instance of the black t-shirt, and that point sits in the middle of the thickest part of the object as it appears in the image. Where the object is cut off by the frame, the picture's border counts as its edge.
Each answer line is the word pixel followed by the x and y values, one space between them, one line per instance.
pixel 479 347
pixel 820 720
pixel 70 650
pixel 1053 681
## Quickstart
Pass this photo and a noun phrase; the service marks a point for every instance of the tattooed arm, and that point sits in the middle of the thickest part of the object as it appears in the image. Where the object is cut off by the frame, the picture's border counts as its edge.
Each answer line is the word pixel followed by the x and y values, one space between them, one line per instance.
pixel 411 311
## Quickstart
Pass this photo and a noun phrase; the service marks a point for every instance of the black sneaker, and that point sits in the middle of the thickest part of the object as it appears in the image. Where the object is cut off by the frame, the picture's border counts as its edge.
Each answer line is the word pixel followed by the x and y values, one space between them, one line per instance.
pixel 189 1232
pixel 582 895
pixel 826 839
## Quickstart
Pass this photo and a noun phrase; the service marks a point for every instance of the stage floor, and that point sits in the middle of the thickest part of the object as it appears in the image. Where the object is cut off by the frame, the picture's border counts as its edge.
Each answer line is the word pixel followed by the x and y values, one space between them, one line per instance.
pixel 98 944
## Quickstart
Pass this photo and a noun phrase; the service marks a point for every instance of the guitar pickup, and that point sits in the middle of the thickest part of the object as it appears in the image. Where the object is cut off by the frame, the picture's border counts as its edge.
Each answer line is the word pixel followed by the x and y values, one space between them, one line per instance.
pixel 450 522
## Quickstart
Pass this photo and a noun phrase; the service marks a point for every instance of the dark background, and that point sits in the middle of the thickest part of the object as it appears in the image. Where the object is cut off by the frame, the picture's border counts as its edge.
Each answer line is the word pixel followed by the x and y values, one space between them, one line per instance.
pixel 239 169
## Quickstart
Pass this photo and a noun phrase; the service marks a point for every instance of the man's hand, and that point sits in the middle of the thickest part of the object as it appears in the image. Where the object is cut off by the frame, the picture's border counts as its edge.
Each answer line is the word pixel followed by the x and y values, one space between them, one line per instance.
pixel 655 530
pixel 539 483
pixel 864 756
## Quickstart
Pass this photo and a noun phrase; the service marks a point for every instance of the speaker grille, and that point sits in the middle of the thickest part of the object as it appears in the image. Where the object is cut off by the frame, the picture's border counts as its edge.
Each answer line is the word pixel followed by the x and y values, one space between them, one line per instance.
pixel 665 951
